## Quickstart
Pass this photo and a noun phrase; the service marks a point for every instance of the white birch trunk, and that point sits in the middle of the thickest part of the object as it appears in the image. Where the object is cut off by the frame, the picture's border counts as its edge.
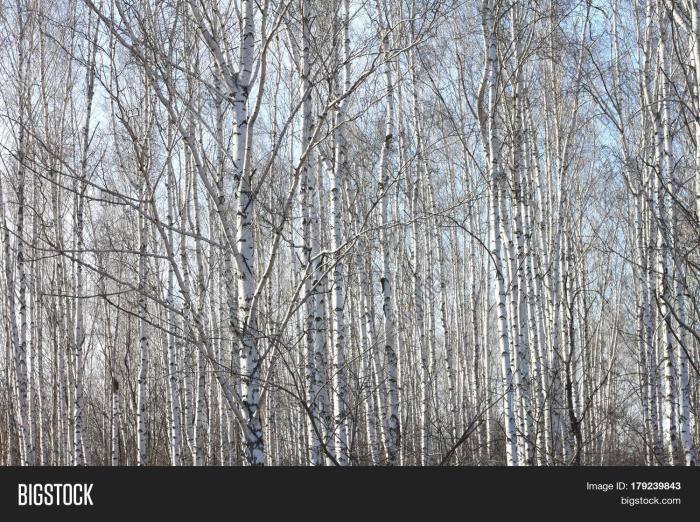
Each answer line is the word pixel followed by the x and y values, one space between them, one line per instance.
pixel 142 425
pixel 492 146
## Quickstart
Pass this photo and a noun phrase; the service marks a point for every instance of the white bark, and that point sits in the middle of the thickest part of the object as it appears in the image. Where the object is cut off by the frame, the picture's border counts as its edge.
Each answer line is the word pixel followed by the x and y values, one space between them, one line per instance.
pixel 495 180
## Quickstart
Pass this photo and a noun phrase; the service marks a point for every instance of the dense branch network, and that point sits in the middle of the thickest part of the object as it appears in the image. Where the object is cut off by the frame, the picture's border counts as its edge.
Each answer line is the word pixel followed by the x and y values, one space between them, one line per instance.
pixel 349 232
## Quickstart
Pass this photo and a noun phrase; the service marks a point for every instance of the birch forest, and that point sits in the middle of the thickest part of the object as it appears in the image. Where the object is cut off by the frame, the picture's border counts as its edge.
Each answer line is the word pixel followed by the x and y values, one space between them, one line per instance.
pixel 349 232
